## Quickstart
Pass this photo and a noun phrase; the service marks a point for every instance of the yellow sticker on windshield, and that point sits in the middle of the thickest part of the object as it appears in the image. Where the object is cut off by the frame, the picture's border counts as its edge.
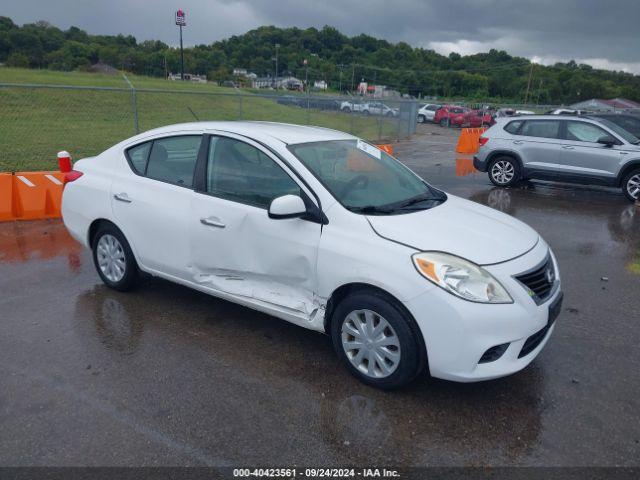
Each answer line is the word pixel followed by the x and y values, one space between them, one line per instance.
pixel 370 149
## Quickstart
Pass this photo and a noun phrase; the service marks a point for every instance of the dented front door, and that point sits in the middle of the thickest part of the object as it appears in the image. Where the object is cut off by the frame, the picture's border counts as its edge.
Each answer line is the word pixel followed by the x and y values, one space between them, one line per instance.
pixel 235 247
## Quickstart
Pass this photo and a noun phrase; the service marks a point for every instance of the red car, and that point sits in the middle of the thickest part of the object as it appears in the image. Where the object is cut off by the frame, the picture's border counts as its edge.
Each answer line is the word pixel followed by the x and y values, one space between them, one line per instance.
pixel 456 116
pixel 477 118
pixel 449 115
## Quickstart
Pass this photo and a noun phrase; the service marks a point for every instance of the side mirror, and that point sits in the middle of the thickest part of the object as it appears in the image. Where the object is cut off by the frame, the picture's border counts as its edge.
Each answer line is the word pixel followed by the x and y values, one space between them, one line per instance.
pixel 287 206
pixel 607 141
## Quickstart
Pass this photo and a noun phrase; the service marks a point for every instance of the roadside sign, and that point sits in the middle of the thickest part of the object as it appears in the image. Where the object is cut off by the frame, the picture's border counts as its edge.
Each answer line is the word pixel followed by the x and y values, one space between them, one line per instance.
pixel 181 19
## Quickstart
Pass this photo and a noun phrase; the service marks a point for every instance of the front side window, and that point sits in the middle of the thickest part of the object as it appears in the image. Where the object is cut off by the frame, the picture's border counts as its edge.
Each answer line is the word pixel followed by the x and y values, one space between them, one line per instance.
pixel 364 179
pixel 621 130
pixel 584 132
pixel 173 159
pixel 242 173
pixel 541 128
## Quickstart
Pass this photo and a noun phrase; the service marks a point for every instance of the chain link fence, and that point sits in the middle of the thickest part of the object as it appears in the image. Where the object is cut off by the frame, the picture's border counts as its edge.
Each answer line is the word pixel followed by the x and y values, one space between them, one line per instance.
pixel 36 121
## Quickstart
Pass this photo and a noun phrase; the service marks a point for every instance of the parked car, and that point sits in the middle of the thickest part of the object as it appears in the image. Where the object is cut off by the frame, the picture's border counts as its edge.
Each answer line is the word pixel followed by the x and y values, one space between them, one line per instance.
pixel 565 111
pixel 579 149
pixel 427 112
pixel 475 119
pixel 288 100
pixel 326 231
pixel 319 103
pixel 369 108
pixel 631 123
pixel 449 115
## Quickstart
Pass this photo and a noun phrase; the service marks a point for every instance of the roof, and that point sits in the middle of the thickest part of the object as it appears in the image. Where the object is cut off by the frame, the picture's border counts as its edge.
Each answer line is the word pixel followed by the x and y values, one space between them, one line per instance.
pixel 621 103
pixel 285 132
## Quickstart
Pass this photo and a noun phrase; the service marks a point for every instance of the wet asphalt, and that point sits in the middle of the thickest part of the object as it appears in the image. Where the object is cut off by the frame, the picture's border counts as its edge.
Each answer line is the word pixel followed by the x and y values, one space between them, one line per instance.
pixel 170 376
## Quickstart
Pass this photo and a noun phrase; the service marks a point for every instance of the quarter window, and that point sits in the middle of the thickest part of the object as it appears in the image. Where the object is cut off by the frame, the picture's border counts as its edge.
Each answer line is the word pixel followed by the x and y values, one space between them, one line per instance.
pixel 240 172
pixel 512 127
pixel 138 156
pixel 541 128
pixel 584 132
pixel 173 159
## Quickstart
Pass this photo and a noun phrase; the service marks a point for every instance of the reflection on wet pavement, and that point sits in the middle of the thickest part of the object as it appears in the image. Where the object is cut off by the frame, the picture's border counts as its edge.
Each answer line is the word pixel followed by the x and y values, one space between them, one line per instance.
pixel 169 376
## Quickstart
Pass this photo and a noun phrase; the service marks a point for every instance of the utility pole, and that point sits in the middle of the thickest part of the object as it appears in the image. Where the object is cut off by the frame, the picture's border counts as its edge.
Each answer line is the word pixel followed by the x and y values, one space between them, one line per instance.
pixel 276 79
pixel 526 96
pixel 340 82
pixel 306 74
pixel 353 76
pixel 539 90
pixel 181 21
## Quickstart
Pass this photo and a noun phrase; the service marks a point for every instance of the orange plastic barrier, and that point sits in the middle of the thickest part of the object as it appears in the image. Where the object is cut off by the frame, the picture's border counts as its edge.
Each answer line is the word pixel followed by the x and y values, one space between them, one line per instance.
pixel 387 147
pixel 464 167
pixel 30 195
pixel 468 142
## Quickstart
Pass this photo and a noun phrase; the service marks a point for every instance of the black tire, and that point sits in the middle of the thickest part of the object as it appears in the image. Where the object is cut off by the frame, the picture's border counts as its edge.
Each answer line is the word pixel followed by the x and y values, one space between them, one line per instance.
pixel 413 355
pixel 422 119
pixel 346 109
pixel 365 113
pixel 131 275
pixel 509 165
pixel 630 179
pixel 444 122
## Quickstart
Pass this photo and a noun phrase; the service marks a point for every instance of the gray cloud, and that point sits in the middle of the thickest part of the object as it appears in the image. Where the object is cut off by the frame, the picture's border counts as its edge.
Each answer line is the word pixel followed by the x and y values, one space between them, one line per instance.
pixel 601 33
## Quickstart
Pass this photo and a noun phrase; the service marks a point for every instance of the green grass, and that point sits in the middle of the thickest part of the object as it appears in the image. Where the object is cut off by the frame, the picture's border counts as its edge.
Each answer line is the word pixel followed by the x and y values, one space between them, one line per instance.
pixel 36 123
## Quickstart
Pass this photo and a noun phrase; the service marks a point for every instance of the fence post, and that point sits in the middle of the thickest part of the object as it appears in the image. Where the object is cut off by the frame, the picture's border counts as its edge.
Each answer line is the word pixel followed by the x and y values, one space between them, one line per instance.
pixel 240 106
pixel 134 108
pixel 399 122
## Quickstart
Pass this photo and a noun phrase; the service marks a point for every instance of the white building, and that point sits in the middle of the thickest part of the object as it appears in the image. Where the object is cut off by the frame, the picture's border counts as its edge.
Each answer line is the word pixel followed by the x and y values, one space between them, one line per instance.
pixel 320 85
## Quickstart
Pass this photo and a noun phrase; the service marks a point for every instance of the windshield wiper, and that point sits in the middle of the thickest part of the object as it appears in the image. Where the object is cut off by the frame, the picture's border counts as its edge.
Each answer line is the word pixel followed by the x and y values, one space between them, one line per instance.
pixel 419 199
pixel 372 210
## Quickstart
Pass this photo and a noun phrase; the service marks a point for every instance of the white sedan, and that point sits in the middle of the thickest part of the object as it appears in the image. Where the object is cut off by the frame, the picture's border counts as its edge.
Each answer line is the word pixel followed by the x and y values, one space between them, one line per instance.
pixel 324 230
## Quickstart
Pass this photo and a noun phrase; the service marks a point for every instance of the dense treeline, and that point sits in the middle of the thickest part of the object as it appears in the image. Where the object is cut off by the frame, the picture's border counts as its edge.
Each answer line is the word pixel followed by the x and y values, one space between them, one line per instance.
pixel 340 60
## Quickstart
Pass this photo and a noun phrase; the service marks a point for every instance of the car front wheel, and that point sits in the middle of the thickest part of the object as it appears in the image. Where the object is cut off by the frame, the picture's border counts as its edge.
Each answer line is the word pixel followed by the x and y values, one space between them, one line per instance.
pixel 504 172
pixel 444 122
pixel 631 185
pixel 114 259
pixel 421 119
pixel 377 340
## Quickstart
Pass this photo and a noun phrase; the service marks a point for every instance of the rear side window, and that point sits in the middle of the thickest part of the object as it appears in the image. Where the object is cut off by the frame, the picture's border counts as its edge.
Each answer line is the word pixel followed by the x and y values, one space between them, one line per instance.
pixel 512 127
pixel 173 159
pixel 541 128
pixel 138 156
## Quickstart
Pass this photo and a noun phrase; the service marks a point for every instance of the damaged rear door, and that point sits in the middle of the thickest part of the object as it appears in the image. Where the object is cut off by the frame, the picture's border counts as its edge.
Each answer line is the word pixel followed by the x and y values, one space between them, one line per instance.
pixel 235 247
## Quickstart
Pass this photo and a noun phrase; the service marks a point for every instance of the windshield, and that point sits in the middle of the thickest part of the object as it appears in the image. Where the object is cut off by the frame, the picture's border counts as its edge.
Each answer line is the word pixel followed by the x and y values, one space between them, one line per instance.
pixel 628 137
pixel 364 179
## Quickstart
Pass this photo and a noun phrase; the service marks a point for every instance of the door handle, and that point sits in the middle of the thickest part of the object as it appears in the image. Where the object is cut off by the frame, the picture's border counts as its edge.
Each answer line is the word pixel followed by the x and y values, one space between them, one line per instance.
pixel 567 147
pixel 122 197
pixel 518 142
pixel 624 153
pixel 212 222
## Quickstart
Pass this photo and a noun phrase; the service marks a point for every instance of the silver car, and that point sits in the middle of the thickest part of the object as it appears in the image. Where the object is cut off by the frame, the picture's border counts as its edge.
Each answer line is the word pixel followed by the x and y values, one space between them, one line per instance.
pixel 546 147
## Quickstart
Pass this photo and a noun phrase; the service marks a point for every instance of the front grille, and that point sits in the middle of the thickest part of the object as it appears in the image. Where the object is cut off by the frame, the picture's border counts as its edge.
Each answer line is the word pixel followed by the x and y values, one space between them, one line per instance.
pixel 540 280
pixel 493 353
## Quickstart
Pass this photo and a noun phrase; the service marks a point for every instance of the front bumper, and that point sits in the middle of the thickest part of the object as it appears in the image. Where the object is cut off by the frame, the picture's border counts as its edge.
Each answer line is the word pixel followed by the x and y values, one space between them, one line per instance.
pixel 457 333
pixel 479 164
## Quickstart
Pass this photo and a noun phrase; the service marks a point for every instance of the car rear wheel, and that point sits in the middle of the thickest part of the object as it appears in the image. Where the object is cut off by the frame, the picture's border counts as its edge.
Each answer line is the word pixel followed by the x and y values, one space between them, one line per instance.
pixel 631 185
pixel 377 341
pixel 114 259
pixel 504 171
pixel 421 119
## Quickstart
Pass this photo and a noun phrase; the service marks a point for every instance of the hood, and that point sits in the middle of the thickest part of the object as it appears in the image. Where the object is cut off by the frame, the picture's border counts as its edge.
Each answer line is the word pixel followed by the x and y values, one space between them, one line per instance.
pixel 460 227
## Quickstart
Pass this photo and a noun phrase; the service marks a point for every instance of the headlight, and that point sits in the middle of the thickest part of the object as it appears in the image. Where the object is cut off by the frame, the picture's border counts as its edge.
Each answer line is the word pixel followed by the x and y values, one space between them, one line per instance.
pixel 460 277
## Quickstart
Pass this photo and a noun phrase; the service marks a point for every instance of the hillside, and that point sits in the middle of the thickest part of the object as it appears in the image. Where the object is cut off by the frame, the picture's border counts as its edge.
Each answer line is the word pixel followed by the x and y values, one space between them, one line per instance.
pixel 332 56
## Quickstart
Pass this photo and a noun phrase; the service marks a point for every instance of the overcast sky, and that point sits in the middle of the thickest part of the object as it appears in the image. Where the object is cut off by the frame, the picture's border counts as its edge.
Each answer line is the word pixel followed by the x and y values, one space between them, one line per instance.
pixel 602 33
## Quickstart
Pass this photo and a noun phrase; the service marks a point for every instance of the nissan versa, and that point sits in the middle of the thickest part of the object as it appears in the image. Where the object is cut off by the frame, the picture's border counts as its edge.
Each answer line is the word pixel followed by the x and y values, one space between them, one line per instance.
pixel 324 230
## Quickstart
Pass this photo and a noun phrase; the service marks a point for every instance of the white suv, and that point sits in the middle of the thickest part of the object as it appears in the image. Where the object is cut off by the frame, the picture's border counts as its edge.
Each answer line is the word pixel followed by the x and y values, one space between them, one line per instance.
pixel 326 231
pixel 427 112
